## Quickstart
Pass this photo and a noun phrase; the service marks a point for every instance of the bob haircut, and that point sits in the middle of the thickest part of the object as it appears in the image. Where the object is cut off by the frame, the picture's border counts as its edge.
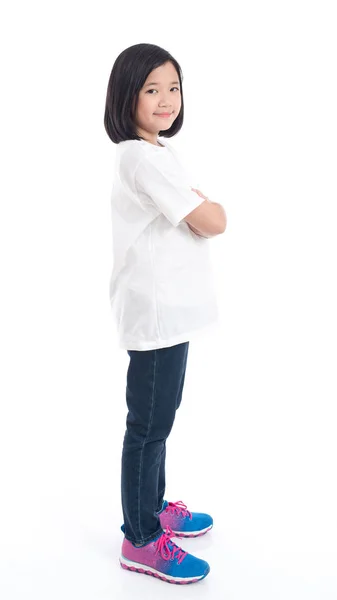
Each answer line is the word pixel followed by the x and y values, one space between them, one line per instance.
pixel 128 75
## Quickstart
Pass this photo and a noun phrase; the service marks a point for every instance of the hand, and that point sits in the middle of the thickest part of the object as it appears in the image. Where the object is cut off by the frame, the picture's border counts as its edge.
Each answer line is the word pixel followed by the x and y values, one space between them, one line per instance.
pixel 194 229
pixel 200 194
pixel 198 232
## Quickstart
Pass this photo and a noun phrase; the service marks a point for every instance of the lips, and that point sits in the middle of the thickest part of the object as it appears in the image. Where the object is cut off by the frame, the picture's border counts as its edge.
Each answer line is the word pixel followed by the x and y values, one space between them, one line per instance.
pixel 163 114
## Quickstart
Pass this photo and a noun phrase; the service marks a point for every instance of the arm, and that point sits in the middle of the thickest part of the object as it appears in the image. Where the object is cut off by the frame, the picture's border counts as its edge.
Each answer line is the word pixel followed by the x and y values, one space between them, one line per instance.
pixel 203 223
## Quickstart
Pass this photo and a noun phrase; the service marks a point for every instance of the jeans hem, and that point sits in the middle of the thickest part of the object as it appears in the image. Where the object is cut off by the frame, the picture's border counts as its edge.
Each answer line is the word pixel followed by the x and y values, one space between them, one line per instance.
pixel 146 540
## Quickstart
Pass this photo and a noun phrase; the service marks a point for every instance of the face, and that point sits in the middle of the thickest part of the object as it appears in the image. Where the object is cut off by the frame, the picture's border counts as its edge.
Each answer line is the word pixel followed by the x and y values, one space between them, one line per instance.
pixel 160 94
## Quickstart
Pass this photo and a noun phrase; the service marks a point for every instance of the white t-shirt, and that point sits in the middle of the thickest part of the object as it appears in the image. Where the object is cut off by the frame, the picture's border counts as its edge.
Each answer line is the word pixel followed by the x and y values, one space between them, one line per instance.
pixel 161 286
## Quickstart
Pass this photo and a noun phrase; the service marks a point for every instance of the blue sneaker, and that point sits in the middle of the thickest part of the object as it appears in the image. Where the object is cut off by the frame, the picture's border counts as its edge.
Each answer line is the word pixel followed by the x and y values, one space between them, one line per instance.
pixel 182 522
pixel 163 559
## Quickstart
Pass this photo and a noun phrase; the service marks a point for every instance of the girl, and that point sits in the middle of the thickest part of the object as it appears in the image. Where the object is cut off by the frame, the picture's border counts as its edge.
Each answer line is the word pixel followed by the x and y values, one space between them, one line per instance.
pixel 161 293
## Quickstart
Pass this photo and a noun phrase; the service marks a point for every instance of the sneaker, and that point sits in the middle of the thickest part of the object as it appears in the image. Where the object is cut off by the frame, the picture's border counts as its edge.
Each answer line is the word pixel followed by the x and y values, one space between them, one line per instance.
pixel 163 559
pixel 182 522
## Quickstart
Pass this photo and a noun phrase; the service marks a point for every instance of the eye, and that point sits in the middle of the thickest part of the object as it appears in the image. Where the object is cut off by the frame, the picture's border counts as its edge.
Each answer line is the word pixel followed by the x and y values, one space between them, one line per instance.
pixel 153 90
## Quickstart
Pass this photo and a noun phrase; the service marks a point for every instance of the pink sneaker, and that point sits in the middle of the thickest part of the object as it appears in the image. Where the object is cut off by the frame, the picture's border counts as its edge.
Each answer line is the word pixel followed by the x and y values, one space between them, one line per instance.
pixel 163 559
pixel 182 522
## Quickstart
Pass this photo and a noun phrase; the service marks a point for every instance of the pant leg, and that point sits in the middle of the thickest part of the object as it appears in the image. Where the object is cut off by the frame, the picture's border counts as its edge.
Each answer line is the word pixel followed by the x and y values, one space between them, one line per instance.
pixel 161 477
pixel 154 382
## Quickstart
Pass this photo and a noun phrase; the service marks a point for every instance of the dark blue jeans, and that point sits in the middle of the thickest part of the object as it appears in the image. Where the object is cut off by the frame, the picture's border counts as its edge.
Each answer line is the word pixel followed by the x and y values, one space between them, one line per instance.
pixel 155 381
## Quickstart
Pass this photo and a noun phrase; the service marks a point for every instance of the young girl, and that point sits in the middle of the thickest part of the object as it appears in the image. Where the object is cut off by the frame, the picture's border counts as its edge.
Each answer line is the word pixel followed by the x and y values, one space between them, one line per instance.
pixel 162 294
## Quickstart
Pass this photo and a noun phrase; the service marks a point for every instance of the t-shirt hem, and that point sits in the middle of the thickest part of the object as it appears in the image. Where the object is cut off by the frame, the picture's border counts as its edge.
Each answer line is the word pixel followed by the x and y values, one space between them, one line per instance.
pixel 178 339
pixel 187 210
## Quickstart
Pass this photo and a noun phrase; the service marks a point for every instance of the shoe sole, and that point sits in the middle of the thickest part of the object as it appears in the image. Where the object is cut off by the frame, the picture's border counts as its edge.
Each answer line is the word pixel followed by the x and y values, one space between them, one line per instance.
pixel 146 570
pixel 191 534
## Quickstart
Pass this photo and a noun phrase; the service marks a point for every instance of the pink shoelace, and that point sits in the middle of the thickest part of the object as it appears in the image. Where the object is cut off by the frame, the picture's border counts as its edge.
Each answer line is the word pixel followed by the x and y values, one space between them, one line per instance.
pixel 168 549
pixel 178 507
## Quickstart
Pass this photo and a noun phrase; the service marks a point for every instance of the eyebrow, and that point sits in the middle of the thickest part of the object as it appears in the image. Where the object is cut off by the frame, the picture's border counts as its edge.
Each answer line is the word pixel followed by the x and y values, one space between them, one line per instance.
pixel 156 83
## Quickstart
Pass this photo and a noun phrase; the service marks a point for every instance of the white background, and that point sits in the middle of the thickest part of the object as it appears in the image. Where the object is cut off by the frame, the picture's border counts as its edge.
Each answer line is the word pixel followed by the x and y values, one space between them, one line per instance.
pixel 254 441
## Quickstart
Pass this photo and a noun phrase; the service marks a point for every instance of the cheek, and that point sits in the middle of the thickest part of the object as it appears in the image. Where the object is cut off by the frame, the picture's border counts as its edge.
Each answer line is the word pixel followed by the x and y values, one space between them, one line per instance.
pixel 147 106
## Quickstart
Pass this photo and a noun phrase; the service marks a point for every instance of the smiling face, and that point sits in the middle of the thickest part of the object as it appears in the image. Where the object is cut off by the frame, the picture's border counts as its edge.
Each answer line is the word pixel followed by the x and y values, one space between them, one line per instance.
pixel 160 94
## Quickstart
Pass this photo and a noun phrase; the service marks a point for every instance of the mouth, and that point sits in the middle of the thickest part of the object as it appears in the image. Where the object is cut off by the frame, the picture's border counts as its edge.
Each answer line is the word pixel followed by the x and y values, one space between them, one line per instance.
pixel 163 115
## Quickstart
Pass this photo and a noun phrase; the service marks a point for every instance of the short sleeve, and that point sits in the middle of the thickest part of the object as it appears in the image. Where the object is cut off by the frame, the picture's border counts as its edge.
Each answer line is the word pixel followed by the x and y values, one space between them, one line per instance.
pixel 165 186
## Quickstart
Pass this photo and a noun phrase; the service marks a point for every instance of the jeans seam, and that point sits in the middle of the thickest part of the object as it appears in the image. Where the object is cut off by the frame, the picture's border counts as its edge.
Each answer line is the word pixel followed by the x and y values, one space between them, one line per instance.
pixel 147 434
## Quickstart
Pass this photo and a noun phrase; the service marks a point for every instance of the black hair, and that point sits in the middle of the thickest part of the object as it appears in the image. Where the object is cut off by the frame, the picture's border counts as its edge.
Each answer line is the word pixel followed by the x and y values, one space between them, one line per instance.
pixel 128 75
